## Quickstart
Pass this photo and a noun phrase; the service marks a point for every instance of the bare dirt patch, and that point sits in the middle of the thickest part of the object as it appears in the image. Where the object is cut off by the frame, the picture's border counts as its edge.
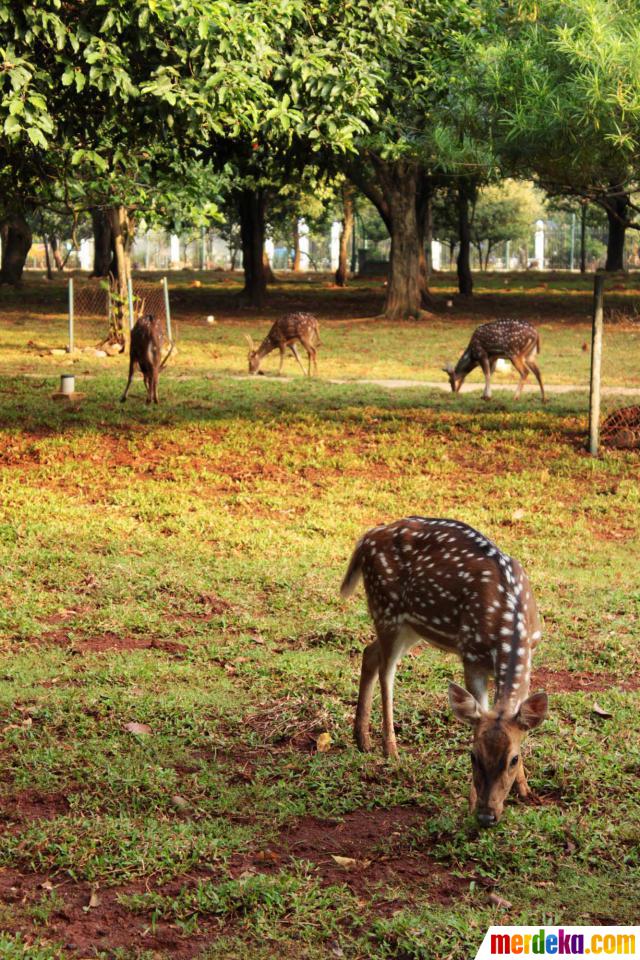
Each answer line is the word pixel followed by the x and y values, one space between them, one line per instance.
pixel 106 926
pixel 27 805
pixel 572 681
pixel 104 642
pixel 373 852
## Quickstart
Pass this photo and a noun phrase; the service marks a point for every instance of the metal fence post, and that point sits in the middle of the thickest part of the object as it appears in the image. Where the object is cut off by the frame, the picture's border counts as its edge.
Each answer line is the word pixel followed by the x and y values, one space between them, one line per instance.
pixel 596 365
pixel 70 314
pixel 167 309
pixel 130 301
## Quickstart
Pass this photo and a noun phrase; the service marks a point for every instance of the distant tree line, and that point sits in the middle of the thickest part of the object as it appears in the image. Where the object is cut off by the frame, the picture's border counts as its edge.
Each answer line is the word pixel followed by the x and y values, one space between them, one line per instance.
pixel 188 113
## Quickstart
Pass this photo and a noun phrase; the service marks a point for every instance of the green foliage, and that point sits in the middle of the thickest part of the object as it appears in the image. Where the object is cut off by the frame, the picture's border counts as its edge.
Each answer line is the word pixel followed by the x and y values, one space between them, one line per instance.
pixel 502 212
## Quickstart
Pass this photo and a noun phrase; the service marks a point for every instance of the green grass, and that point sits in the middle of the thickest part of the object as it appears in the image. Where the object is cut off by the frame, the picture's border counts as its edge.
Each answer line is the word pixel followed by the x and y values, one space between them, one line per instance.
pixel 217 528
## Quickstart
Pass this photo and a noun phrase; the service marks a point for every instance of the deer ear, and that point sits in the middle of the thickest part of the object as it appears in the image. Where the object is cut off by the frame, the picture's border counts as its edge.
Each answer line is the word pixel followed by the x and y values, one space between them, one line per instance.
pixel 249 340
pixel 533 711
pixel 448 368
pixel 464 705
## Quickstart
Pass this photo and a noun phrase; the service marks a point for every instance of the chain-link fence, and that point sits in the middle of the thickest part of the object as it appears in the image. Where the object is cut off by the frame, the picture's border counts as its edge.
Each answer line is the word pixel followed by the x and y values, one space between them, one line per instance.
pixel 92 302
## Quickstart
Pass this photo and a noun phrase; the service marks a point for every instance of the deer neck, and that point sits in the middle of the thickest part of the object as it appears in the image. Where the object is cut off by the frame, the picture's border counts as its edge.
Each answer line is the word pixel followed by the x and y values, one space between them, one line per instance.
pixel 512 661
pixel 265 347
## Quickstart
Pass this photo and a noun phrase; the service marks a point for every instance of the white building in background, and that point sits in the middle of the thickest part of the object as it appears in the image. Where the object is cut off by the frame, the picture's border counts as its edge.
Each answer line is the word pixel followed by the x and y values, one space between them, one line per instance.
pixel 174 250
pixel 538 244
pixel 303 233
pixel 269 249
pixel 436 254
pixel 85 254
pixel 336 230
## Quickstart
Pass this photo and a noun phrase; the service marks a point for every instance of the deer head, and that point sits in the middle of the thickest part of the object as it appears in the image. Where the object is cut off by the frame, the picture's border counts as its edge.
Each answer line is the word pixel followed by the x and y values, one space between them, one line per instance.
pixel 495 754
pixel 454 381
pixel 253 356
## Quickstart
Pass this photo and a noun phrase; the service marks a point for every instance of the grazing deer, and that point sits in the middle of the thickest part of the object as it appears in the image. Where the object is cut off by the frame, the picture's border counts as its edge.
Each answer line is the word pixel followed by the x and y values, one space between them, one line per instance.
pixel 514 340
pixel 284 332
pixel 443 582
pixel 146 351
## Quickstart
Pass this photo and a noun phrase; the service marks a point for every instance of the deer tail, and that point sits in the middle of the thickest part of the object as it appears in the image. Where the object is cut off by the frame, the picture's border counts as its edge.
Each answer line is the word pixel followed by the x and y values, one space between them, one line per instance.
pixel 354 571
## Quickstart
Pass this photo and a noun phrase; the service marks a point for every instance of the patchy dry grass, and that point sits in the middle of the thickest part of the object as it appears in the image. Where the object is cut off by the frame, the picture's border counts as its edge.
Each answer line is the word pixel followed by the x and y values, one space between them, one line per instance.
pixel 178 568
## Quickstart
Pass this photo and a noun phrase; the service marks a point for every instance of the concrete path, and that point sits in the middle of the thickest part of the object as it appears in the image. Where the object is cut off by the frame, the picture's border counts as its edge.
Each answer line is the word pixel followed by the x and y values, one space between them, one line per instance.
pixel 467 387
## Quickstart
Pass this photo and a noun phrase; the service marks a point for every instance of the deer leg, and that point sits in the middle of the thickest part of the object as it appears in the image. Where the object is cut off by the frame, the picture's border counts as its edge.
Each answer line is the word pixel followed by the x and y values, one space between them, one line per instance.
pixel 523 370
pixel 387 677
pixel 521 781
pixel 147 384
pixel 126 389
pixel 154 384
pixel 535 370
pixel 312 360
pixel 294 351
pixel 282 352
pixel 392 645
pixel 368 676
pixel 486 367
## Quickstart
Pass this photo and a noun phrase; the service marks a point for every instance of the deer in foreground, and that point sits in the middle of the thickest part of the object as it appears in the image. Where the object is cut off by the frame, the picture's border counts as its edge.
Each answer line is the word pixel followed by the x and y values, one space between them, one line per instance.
pixel 443 582
pixel 514 340
pixel 146 351
pixel 284 332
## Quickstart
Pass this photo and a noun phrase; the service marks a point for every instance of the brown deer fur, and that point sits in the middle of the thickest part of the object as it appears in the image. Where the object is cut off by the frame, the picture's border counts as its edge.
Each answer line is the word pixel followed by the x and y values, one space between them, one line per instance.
pixel 514 340
pixel 303 327
pixel 146 351
pixel 443 582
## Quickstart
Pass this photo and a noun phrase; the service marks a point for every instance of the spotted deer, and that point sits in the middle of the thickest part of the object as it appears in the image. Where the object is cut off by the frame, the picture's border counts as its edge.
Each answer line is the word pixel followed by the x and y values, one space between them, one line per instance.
pixel 443 582
pixel 514 340
pixel 284 332
pixel 146 351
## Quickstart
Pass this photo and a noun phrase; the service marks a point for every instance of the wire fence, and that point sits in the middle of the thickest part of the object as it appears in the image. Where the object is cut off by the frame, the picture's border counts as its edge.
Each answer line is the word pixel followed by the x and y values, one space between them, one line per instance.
pixel 93 302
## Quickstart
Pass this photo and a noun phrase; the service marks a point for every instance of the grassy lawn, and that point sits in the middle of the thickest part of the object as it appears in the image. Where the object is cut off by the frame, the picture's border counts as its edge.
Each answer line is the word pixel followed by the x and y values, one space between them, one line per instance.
pixel 173 642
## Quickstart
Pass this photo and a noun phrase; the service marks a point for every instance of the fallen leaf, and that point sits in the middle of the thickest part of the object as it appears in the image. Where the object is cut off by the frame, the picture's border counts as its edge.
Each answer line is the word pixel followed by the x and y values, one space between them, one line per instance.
pixel 179 802
pixel 518 514
pixel 143 729
pixel 46 885
pixel 346 862
pixel 599 712
pixel 323 742
pixel 499 901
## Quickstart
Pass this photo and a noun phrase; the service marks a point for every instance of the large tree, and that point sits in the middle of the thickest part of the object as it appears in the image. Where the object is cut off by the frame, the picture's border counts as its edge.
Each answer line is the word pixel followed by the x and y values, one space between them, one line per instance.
pixel 567 79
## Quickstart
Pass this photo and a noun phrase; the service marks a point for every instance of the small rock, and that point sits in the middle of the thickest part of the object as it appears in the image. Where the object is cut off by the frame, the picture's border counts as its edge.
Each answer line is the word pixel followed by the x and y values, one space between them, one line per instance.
pixel 179 802
pixel 100 353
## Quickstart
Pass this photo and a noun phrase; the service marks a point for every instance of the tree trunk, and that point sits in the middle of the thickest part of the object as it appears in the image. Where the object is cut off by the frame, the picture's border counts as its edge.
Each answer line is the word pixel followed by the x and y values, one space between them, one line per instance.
pixel 345 235
pixel 251 207
pixel 404 288
pixel 55 250
pixel 465 277
pixel 617 216
pixel 583 238
pixel 270 276
pixel 102 244
pixel 393 188
pixel 16 243
pixel 45 241
pixel 121 226
pixel 296 246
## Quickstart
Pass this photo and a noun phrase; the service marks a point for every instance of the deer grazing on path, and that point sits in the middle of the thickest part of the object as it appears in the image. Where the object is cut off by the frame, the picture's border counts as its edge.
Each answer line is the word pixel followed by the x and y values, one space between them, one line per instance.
pixel 284 332
pixel 514 340
pixel 146 351
pixel 443 582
